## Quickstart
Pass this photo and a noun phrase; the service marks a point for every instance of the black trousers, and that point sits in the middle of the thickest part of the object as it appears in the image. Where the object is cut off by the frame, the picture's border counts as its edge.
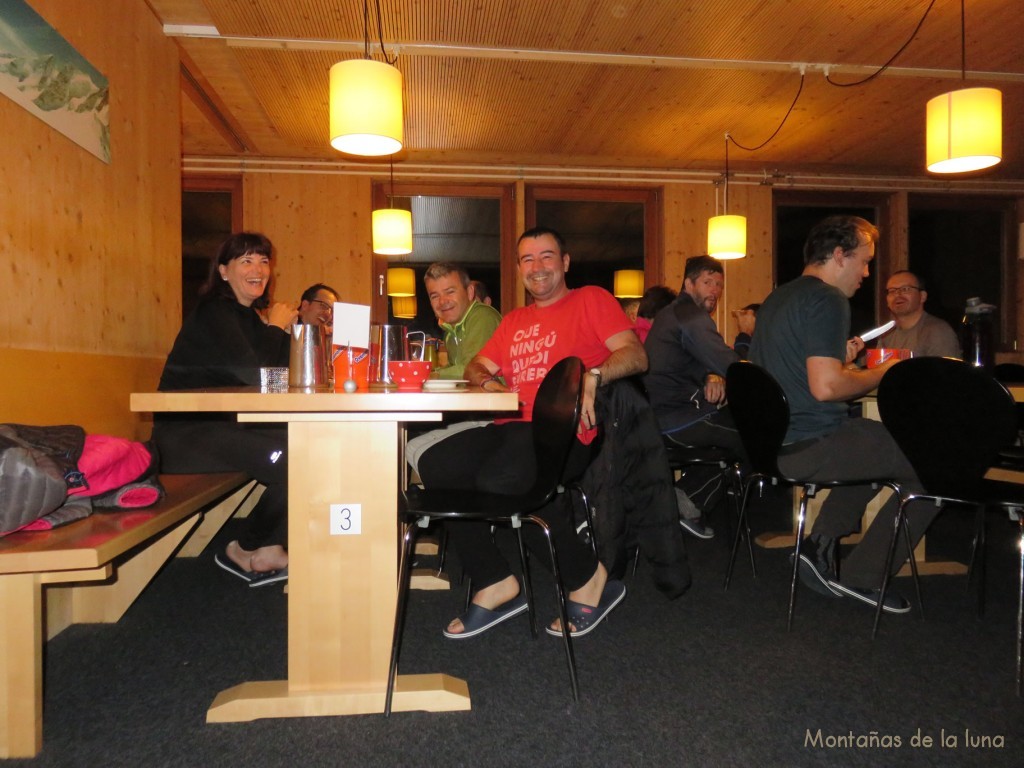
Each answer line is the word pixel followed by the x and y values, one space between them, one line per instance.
pixel 861 449
pixel 221 445
pixel 499 458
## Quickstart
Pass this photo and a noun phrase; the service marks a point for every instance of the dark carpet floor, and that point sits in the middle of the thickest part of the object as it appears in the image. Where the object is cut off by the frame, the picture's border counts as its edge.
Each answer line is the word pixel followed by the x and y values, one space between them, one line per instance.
pixel 710 679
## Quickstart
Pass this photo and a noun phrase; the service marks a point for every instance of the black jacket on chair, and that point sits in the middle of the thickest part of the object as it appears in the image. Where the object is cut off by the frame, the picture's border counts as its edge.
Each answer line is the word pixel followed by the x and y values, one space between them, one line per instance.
pixel 629 485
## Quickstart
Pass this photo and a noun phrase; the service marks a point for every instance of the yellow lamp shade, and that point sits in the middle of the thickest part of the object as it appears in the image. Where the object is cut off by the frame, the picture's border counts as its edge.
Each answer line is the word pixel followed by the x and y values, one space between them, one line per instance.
pixel 727 237
pixel 392 231
pixel 401 281
pixel 628 283
pixel 403 306
pixel 965 130
pixel 366 108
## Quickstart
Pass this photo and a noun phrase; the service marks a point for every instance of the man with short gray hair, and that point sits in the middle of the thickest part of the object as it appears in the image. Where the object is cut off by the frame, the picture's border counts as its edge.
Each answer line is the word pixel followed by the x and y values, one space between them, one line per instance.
pixel 467 323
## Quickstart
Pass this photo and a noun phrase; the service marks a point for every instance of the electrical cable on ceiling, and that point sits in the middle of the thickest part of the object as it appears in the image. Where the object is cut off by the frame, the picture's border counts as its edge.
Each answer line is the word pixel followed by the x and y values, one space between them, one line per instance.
pixel 892 58
pixel 380 34
pixel 789 111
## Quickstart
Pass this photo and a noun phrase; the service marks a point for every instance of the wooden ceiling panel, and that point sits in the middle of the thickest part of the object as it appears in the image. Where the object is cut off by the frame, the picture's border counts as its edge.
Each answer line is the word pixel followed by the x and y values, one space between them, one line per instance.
pixel 517 106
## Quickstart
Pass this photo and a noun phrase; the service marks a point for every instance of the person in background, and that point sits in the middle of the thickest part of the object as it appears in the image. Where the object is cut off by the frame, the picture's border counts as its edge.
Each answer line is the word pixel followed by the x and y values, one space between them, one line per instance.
pixel 803 340
pixel 584 322
pixel 923 334
pixel 223 343
pixel 317 306
pixel 655 299
pixel 478 291
pixel 685 382
pixel 467 324
pixel 631 307
pixel 746 318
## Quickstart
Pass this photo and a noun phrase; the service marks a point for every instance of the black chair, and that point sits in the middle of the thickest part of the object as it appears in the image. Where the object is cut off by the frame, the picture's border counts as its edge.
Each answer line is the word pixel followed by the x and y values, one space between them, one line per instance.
pixel 1012 456
pixel 951 419
pixel 761 412
pixel 556 415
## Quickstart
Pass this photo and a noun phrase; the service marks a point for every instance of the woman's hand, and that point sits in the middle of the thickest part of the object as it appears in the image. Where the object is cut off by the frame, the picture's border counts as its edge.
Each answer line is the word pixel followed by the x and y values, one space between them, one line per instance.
pixel 282 315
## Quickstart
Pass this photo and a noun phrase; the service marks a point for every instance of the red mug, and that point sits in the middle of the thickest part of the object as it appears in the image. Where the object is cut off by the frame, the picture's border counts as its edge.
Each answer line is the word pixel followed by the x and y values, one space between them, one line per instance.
pixel 351 363
pixel 876 357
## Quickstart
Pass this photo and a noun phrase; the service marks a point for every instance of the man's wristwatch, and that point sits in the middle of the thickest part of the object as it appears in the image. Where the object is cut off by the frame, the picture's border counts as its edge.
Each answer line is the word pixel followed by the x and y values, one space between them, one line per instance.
pixel 596 373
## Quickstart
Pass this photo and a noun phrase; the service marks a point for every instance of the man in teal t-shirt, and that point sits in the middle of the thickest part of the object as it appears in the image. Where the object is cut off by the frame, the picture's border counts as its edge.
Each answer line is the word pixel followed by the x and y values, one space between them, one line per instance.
pixel 467 323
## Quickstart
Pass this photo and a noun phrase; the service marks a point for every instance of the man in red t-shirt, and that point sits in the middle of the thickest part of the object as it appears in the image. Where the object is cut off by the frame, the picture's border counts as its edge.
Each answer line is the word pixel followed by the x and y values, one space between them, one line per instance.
pixel 584 322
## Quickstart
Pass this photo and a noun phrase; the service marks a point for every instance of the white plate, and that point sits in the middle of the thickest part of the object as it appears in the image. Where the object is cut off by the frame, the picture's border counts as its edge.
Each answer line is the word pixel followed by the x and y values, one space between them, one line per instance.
pixel 443 385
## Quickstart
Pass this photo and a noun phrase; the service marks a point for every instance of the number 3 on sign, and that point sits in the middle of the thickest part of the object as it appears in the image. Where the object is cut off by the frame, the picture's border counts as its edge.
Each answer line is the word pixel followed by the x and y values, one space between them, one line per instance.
pixel 346 519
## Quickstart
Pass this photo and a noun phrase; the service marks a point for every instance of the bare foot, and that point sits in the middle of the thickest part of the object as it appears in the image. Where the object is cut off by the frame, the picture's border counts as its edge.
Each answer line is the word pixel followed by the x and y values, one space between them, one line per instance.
pixel 588 594
pixel 240 557
pixel 490 598
pixel 270 558
pixel 259 560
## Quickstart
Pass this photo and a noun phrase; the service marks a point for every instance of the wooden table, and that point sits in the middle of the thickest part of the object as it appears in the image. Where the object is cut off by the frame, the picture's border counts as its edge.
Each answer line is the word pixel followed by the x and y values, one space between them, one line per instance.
pixel 344 467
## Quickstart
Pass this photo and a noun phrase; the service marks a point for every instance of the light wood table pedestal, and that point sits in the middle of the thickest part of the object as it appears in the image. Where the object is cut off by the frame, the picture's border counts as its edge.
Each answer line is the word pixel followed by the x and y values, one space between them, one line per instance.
pixel 345 467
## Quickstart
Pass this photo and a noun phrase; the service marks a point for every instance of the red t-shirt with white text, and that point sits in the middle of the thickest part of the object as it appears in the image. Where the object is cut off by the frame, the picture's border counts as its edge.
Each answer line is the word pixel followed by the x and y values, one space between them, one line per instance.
pixel 530 340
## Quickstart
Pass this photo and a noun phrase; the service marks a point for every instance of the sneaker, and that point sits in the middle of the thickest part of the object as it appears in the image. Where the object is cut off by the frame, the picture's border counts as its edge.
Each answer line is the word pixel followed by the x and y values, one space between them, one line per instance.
pixel 894 602
pixel 696 526
pixel 814 573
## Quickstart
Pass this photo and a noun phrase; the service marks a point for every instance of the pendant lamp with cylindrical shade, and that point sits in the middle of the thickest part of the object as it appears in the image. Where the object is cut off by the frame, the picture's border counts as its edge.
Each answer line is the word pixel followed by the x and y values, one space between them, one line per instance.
pixel 392 227
pixel 401 281
pixel 964 128
pixel 628 283
pixel 727 233
pixel 366 103
pixel 392 231
pixel 403 306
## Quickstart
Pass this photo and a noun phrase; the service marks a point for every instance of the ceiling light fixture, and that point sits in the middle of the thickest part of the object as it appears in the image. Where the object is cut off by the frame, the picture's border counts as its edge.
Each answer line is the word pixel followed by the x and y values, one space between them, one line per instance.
pixel 403 307
pixel 628 283
pixel 392 227
pixel 964 127
pixel 727 234
pixel 401 281
pixel 366 102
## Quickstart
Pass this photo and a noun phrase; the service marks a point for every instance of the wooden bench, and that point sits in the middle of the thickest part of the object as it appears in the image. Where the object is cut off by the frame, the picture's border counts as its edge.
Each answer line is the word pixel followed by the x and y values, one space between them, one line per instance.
pixel 92 569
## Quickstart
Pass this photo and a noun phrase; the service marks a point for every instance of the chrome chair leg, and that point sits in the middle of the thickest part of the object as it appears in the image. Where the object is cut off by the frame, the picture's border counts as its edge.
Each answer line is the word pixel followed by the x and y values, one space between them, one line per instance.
pixel 404 574
pixel 517 523
pixel 807 492
pixel 1020 604
pixel 742 526
pixel 563 614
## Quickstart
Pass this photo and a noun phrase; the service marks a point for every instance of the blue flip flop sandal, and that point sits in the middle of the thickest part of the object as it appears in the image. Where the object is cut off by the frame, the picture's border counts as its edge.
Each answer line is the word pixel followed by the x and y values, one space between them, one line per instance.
pixel 477 619
pixel 586 617
pixel 263 578
pixel 233 568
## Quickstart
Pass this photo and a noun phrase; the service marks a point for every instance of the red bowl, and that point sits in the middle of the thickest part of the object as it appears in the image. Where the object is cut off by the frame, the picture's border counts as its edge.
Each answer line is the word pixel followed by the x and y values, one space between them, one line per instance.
pixel 409 374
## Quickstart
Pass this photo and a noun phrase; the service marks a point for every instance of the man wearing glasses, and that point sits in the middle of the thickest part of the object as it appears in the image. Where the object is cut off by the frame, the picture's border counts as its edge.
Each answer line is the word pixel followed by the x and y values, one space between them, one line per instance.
pixel 924 334
pixel 317 306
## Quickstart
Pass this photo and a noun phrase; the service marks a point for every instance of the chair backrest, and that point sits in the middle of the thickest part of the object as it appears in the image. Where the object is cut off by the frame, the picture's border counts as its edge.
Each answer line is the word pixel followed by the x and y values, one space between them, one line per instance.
pixel 949 418
pixel 1011 373
pixel 556 417
pixel 761 412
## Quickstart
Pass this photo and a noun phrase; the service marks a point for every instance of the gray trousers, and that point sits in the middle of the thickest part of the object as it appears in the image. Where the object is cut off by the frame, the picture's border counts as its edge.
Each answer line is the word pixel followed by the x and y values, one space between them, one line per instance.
pixel 861 449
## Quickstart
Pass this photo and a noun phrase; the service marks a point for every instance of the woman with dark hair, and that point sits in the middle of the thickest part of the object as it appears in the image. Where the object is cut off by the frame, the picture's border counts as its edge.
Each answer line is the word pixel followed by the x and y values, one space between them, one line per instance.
pixel 223 343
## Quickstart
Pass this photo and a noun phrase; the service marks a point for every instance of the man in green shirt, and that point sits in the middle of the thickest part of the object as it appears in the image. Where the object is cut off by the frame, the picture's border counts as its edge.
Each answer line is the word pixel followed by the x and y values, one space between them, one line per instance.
pixel 467 323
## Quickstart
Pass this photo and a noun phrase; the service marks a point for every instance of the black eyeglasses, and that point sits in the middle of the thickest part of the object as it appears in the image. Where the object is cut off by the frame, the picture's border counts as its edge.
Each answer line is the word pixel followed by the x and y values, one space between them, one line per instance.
pixel 903 289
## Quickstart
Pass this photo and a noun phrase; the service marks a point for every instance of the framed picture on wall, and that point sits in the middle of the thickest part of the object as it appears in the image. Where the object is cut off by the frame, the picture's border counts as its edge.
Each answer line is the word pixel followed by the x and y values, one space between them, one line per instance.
pixel 42 72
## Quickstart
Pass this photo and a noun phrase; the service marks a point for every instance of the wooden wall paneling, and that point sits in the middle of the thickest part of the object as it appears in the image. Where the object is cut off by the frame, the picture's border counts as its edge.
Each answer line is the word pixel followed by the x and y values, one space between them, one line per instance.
pixel 46 388
pixel 687 208
pixel 77 228
pixel 320 227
